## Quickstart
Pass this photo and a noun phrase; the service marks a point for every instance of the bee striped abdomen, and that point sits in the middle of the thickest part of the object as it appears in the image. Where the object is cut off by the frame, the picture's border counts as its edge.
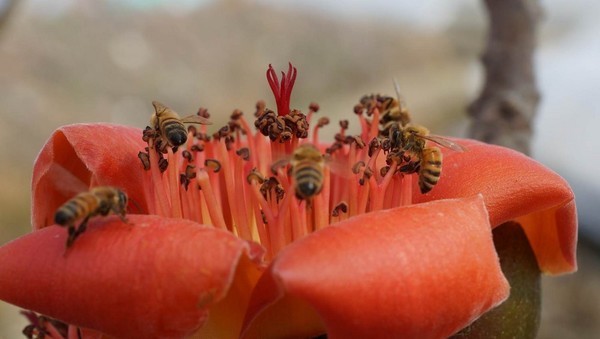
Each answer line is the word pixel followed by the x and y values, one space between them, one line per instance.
pixel 83 204
pixel 307 170
pixel 174 131
pixel 309 179
pixel 431 169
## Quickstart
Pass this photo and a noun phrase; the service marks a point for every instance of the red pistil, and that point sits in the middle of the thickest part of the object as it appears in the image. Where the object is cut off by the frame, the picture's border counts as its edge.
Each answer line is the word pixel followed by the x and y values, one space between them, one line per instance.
pixel 283 91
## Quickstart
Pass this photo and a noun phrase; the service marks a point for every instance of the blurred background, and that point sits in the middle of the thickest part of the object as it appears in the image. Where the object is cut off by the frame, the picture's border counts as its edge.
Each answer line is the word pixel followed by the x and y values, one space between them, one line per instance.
pixel 67 61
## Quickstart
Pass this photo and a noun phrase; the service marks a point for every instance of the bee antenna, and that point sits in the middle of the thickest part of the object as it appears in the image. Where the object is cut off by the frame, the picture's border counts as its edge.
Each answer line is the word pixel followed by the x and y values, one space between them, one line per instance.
pixel 399 97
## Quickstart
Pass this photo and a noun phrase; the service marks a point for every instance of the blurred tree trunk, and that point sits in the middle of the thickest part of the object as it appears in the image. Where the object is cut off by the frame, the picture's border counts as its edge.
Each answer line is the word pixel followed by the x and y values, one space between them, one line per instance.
pixel 6 9
pixel 504 111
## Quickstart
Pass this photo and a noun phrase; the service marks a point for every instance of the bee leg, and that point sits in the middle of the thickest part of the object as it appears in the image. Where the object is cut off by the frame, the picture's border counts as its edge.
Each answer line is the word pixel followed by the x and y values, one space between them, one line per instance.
pixel 121 214
pixel 72 236
pixel 74 233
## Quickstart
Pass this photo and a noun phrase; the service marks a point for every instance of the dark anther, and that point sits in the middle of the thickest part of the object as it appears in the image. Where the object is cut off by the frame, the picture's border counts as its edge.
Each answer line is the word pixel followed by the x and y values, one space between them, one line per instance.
pixel 339 138
pixel 344 124
pixel 213 164
pixel 360 144
pixel 279 192
pixel 285 136
pixel 386 144
pixel 383 171
pixel 341 207
pixel 187 155
pixel 203 137
pixel 322 122
pixel 145 158
pixel 197 148
pixel 192 129
pixel 313 107
pixel 236 114
pixel 190 171
pixel 255 175
pixel 160 146
pixel 163 164
pixel 224 131
pixel 185 182
pixel 268 185
pixel 234 125
pixel 356 167
pixel 243 152
pixel 260 108
pixel 334 147
pixel 203 112
pixel 374 145
pixel 148 133
pixel 358 109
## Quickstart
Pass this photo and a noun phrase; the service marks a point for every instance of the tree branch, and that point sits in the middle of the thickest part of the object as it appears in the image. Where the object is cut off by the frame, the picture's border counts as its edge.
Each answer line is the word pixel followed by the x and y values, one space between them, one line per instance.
pixel 504 111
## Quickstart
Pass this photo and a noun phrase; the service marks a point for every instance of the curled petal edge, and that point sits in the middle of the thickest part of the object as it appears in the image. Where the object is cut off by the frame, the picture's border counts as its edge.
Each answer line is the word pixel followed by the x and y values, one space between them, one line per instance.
pixel 151 277
pixel 515 187
pixel 77 157
pixel 419 271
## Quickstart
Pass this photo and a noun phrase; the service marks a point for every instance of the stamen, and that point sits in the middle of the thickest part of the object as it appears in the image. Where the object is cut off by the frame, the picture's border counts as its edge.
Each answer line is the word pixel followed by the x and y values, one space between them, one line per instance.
pixel 160 194
pixel 214 208
pixel 174 185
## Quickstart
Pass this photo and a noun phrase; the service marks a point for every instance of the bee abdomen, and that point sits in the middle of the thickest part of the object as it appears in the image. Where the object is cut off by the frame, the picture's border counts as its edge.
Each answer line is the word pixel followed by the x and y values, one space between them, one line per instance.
pixel 175 132
pixel 74 209
pixel 308 181
pixel 431 169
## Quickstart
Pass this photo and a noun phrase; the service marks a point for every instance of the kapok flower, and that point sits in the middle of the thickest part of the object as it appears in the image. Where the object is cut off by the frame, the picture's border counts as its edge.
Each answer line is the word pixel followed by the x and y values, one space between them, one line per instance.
pixel 217 243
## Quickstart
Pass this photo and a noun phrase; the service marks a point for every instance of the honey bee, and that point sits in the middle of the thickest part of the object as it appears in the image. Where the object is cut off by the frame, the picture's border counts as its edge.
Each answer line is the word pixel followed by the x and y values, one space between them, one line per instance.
pixel 409 150
pixel 170 126
pixel 306 168
pixel 99 200
pixel 307 171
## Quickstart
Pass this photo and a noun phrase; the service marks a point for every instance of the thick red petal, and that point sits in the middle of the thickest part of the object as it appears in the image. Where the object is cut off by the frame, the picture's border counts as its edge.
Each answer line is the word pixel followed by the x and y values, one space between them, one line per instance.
pixel 154 277
pixel 515 187
pixel 77 157
pixel 423 271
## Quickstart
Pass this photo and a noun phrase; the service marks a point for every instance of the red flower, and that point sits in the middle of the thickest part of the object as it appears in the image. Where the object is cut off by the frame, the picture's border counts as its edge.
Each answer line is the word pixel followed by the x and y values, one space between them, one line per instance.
pixel 244 256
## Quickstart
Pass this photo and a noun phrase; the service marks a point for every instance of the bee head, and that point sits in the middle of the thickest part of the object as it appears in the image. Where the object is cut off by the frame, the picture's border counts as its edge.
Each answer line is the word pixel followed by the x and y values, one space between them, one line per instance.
pixel 122 200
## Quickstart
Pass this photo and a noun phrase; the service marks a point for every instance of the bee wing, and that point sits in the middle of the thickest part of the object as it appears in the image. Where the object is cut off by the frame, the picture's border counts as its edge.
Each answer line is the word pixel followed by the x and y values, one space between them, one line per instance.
pixel 445 143
pixel 195 119
pixel 339 167
pixel 277 164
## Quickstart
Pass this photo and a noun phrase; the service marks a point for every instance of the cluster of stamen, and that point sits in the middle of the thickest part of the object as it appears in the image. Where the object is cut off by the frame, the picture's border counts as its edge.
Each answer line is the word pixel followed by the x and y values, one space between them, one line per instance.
pixel 228 180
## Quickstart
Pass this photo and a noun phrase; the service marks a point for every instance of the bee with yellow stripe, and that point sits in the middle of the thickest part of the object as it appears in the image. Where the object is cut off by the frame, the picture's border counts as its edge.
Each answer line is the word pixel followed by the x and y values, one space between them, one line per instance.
pixel 409 149
pixel 308 165
pixel 170 126
pixel 99 200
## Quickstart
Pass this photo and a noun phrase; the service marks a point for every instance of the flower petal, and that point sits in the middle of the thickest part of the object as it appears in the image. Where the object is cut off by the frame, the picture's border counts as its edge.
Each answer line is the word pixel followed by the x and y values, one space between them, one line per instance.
pixel 515 187
pixel 420 271
pixel 77 157
pixel 153 277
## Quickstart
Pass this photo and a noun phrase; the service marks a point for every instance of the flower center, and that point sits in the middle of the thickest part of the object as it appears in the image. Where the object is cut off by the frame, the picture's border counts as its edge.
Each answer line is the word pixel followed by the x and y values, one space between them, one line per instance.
pixel 277 183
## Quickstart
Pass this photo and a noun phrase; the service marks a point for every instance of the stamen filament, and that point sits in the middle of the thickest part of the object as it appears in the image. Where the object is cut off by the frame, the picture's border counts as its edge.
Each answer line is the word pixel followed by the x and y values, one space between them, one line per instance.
pixel 160 194
pixel 173 179
pixel 210 198
pixel 374 125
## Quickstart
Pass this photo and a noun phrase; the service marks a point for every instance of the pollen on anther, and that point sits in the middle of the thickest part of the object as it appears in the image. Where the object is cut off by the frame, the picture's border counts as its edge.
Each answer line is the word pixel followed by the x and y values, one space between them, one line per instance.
pixel 213 164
